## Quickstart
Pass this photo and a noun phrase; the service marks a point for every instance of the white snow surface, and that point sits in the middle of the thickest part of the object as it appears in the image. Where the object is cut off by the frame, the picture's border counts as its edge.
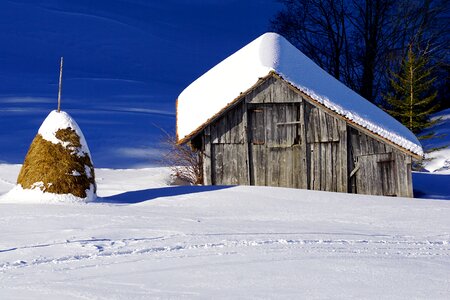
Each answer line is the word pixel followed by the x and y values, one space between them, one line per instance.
pixel 214 90
pixel 35 195
pixel 145 239
pixel 62 120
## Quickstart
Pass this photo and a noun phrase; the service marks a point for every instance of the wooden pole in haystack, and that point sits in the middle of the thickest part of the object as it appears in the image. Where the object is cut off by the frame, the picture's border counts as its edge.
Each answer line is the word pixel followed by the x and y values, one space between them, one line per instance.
pixel 60 84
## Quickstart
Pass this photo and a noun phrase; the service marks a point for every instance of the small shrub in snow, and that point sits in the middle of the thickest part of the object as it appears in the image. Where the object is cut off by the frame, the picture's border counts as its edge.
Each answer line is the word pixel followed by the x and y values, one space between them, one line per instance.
pixel 184 161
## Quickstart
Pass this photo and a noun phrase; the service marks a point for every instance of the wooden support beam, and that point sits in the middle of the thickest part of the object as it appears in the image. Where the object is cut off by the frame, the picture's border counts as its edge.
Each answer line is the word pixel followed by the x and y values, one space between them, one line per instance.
pixel 60 84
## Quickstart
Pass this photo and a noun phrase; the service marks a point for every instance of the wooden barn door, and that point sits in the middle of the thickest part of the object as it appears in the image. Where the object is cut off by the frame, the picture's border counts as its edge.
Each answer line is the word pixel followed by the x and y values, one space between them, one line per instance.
pixel 274 144
pixel 376 175
pixel 326 151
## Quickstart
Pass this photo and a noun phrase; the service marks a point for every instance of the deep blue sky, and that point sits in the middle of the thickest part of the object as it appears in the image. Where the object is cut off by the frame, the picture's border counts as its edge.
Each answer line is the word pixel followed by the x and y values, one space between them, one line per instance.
pixel 126 61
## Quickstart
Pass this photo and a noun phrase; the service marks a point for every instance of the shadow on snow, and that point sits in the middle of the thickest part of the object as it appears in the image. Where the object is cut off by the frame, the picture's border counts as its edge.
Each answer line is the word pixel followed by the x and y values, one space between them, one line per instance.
pixel 150 194
pixel 431 185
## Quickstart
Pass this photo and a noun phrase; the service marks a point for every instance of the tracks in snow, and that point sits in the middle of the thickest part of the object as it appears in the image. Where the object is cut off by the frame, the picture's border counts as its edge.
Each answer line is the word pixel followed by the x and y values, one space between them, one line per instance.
pixel 194 244
pixel 6 182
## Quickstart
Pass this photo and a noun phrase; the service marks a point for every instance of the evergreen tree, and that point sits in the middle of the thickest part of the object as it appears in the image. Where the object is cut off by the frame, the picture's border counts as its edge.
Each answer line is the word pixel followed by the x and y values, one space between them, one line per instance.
pixel 412 99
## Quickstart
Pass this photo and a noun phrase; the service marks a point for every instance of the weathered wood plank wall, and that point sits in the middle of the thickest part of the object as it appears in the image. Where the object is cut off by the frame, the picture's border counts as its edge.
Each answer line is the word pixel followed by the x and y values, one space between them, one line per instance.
pixel 275 136
pixel 379 168
pixel 326 158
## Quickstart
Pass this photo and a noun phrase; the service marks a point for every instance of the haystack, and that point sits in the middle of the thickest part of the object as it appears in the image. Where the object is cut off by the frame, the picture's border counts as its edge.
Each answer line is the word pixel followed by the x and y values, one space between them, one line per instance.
pixel 58 164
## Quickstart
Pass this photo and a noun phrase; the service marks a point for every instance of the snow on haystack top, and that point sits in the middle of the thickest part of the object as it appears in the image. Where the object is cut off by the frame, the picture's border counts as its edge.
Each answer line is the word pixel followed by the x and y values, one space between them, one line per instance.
pixel 62 120
pixel 271 52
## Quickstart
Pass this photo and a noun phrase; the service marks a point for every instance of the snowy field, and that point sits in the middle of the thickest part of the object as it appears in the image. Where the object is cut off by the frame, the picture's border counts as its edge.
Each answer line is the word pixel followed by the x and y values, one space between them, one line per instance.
pixel 144 239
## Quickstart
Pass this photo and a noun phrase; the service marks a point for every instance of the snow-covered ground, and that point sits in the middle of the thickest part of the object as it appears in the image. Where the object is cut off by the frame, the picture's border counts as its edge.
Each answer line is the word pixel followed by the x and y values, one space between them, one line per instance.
pixel 145 239
pixel 435 183
pixel 440 159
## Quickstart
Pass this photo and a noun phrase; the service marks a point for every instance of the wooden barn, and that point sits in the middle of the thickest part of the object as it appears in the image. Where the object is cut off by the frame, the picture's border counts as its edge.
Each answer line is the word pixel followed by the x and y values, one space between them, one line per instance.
pixel 267 115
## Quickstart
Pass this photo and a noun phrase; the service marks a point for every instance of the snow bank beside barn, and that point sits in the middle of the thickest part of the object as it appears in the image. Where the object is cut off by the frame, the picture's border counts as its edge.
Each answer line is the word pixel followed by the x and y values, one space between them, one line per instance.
pixel 225 82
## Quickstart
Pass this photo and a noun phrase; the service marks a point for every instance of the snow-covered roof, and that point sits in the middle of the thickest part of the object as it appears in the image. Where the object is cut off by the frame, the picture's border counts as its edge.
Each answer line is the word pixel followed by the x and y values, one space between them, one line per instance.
pixel 270 52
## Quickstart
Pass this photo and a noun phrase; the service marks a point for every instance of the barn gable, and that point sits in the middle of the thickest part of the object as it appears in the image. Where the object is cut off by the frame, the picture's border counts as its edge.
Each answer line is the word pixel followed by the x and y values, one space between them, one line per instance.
pixel 225 84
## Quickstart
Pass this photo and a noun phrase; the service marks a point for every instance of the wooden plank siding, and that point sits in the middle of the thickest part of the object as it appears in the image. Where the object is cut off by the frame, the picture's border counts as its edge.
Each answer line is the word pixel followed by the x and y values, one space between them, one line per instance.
pixel 228 143
pixel 380 168
pixel 276 136
pixel 326 160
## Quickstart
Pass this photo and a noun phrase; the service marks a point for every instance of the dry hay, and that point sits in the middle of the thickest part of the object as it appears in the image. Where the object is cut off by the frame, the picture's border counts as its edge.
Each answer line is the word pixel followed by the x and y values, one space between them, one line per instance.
pixel 60 169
